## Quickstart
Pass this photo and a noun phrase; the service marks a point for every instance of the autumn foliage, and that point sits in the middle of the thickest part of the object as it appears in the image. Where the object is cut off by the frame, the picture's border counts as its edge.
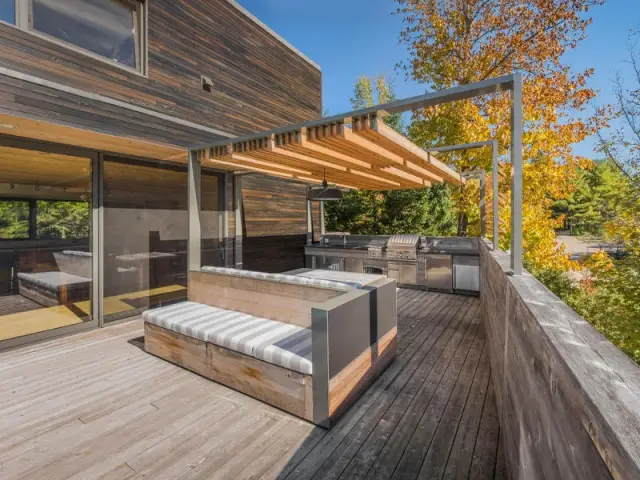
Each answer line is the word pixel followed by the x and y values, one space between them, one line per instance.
pixel 472 40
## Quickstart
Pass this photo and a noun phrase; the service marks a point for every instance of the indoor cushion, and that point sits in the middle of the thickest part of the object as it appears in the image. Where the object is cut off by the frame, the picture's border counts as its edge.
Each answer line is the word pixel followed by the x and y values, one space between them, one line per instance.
pixel 55 280
pixel 281 344
pixel 280 278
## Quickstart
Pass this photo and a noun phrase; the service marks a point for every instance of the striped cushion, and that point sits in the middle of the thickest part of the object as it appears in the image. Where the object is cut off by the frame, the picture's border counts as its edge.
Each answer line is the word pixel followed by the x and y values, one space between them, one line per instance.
pixel 281 344
pixel 280 278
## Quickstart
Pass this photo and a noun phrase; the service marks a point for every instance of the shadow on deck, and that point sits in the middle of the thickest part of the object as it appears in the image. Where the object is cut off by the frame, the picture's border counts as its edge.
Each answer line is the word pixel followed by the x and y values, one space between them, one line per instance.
pixel 95 405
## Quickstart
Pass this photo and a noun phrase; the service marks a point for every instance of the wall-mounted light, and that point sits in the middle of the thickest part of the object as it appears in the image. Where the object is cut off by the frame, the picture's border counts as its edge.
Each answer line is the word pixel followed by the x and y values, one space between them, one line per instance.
pixel 7 126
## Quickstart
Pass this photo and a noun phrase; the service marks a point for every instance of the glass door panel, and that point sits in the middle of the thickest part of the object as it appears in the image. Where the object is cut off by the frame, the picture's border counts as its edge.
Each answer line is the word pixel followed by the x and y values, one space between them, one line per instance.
pixel 212 242
pixel 145 237
pixel 46 273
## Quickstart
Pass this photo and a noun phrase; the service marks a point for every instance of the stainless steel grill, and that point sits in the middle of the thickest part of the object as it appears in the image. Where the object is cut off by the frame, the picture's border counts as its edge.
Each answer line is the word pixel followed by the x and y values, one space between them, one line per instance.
pixel 403 247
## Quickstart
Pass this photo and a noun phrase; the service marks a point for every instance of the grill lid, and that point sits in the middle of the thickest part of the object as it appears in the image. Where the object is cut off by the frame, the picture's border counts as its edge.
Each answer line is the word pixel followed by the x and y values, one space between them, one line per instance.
pixel 405 242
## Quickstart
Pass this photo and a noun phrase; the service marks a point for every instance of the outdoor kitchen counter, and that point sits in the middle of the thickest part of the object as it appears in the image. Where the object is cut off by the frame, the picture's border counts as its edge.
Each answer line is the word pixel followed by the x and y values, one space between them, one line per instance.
pixel 352 278
pixel 334 250
pixel 449 264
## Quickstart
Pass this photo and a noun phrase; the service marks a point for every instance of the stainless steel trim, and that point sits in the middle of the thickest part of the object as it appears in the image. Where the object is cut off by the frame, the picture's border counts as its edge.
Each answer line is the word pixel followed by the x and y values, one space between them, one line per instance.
pixel 194 250
pixel 239 230
pixel 403 241
pixel 309 222
pixel 440 272
pixel 466 273
pixel 403 247
pixel 97 239
pixel 403 273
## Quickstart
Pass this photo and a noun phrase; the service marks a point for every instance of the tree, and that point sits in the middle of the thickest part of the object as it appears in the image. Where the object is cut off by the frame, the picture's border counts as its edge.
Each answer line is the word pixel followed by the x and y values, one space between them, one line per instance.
pixel 63 220
pixel 596 197
pixel 478 39
pixel 622 148
pixel 426 211
pixel 14 220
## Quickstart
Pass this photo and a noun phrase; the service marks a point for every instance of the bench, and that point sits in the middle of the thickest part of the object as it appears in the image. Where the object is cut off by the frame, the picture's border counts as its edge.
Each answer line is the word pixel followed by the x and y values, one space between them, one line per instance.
pixel 50 289
pixel 307 346
pixel 71 284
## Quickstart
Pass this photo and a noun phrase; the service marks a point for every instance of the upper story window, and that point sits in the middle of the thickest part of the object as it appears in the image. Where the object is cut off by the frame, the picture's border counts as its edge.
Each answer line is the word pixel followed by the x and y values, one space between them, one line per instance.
pixel 8 11
pixel 111 29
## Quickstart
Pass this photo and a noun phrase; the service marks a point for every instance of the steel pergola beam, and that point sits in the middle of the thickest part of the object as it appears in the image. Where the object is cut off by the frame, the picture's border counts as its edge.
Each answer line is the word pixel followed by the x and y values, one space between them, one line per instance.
pixel 512 83
pixel 431 99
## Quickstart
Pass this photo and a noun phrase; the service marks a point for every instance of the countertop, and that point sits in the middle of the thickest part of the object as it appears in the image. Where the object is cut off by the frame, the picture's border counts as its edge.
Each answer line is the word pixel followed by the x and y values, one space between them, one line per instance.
pixel 427 251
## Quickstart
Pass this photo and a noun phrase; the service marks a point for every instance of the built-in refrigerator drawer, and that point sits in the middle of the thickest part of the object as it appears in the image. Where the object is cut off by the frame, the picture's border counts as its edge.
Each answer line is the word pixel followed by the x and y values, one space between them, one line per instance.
pixel 440 272
pixel 466 273
pixel 404 273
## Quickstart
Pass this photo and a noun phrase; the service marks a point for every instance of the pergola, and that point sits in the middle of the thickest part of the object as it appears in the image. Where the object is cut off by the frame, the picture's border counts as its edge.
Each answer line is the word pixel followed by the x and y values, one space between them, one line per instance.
pixel 357 150
pixel 481 176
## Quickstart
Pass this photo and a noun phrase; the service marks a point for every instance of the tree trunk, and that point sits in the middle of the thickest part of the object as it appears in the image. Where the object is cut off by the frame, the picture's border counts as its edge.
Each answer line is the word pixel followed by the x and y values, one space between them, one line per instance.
pixel 463 223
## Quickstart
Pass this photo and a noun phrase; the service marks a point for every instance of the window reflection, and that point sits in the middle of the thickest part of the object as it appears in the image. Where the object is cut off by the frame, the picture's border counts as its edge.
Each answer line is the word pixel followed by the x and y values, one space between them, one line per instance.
pixel 14 219
pixel 45 248
pixel 146 233
pixel 104 27
pixel 145 237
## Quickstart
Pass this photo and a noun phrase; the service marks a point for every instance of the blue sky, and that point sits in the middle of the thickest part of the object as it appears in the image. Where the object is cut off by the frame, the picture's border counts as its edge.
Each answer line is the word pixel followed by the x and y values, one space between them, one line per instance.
pixel 350 38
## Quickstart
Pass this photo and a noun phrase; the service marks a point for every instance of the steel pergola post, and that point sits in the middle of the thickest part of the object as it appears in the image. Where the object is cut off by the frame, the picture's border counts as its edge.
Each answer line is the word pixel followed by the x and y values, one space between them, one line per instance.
pixel 194 255
pixel 516 174
pixel 494 181
pixel 495 185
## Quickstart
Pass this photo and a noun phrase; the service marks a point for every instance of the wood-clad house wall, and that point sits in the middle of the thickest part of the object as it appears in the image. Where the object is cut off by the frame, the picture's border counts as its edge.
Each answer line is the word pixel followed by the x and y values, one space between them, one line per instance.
pixel 258 82
pixel 274 223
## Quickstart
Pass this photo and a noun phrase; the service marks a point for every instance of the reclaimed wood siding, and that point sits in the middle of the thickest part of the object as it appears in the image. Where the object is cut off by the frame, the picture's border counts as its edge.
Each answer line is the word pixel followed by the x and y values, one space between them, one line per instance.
pixel 258 82
pixel 275 223
pixel 567 398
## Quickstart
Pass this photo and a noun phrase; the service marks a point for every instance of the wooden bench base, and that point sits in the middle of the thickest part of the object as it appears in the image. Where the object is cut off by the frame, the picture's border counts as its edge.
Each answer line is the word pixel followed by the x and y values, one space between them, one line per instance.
pixel 285 389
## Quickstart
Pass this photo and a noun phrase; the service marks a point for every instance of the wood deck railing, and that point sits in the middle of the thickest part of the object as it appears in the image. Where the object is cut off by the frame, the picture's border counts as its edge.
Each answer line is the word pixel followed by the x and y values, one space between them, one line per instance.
pixel 568 399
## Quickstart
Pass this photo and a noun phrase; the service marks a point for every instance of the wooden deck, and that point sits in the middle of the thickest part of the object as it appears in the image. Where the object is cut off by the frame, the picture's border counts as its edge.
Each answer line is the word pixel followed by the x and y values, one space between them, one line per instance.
pixel 95 405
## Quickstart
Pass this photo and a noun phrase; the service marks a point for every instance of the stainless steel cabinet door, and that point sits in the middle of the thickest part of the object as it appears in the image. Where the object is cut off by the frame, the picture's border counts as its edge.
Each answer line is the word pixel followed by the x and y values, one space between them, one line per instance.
pixel 440 272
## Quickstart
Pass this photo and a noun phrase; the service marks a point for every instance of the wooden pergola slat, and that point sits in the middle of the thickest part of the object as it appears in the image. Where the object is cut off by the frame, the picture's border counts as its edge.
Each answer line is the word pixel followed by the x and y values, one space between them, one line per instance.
pixel 367 155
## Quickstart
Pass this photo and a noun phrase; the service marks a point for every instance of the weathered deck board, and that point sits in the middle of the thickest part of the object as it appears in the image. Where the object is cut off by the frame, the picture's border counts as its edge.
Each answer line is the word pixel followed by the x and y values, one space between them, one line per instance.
pixel 95 405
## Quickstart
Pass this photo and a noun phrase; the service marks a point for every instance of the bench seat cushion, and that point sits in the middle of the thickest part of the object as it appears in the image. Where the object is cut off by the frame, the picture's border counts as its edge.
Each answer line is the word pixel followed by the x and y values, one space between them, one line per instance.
pixel 55 280
pixel 281 344
pixel 280 278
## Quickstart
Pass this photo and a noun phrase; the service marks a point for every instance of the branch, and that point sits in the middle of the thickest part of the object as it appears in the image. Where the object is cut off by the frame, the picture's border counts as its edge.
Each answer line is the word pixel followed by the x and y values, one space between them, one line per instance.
pixel 610 156
pixel 515 49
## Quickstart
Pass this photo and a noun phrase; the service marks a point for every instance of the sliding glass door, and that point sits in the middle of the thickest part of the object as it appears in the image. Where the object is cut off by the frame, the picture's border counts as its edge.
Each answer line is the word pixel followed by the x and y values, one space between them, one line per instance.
pixel 87 239
pixel 145 231
pixel 46 259
pixel 145 237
